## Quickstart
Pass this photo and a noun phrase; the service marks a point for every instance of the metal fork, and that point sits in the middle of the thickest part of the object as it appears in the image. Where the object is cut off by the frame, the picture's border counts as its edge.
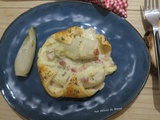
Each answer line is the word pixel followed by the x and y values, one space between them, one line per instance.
pixel 152 14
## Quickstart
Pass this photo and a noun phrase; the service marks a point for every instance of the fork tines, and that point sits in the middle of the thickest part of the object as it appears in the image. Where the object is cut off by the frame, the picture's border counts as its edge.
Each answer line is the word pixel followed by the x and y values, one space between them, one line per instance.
pixel 151 4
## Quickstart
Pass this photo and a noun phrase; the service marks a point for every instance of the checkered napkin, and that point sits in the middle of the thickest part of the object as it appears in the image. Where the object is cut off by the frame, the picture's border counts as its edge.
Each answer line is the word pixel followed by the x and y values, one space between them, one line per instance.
pixel 119 7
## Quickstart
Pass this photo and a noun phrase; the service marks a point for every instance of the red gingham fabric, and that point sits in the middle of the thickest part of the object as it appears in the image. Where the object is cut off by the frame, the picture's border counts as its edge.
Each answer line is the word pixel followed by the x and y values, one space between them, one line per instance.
pixel 119 7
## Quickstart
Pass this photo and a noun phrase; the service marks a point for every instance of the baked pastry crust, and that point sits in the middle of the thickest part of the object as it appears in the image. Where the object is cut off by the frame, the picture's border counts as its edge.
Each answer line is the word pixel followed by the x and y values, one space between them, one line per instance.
pixel 74 62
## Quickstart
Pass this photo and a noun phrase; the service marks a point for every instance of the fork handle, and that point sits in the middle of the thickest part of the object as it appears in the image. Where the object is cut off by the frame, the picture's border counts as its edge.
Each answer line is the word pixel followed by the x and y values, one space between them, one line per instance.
pixel 157 47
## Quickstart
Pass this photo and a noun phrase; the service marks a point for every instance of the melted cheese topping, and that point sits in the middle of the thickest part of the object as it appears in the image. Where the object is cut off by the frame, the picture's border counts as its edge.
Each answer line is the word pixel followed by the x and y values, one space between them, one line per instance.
pixel 81 57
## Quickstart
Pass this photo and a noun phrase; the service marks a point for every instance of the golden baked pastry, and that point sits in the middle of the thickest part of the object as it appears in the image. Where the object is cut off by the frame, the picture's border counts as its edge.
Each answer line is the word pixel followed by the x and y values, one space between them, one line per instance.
pixel 74 62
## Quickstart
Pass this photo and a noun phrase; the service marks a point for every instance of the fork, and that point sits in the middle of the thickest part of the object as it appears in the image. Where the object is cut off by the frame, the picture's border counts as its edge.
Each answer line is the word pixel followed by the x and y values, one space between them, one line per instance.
pixel 152 14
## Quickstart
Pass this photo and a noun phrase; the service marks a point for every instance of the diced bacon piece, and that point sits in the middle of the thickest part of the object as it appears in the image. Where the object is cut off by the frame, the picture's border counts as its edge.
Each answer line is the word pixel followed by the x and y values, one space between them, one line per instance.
pixel 63 63
pixel 73 70
pixel 96 52
pixel 67 79
pixel 84 79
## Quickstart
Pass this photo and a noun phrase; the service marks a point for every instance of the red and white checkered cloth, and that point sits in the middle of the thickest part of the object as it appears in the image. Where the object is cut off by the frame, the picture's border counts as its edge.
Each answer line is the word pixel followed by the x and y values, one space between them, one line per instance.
pixel 119 7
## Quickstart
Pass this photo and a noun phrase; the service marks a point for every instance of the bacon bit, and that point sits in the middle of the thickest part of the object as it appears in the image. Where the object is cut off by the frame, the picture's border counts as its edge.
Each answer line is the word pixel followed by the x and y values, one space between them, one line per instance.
pixel 80 69
pixel 83 79
pixel 67 79
pixel 73 70
pixel 63 63
pixel 96 52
